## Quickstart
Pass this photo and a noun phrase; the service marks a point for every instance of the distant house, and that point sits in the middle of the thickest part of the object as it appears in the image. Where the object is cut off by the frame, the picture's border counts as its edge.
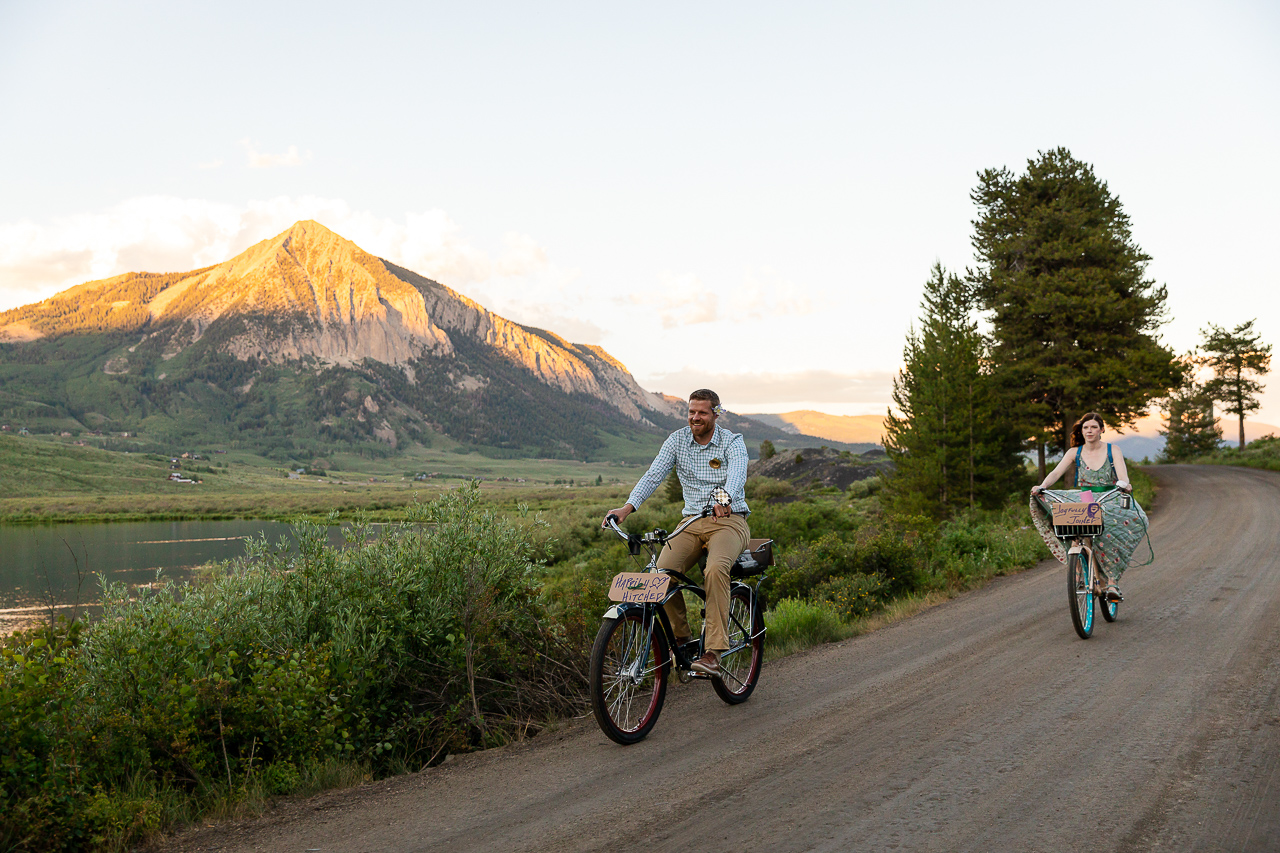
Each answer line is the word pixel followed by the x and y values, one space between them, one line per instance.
pixel 176 477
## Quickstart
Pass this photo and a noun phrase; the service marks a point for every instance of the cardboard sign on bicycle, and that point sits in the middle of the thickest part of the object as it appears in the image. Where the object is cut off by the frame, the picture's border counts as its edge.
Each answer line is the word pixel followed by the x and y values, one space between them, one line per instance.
pixel 1077 514
pixel 641 587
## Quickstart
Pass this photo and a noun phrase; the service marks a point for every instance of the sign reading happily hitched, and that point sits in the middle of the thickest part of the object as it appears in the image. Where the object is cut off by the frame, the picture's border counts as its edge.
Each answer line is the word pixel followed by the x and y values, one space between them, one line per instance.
pixel 641 587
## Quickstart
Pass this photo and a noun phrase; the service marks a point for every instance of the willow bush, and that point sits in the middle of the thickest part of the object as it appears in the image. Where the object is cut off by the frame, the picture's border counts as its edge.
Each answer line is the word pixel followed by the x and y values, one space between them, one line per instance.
pixel 390 652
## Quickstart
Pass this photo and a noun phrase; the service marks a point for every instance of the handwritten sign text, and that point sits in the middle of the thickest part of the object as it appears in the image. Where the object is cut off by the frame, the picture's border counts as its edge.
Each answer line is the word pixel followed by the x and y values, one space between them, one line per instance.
pixel 1077 513
pixel 640 587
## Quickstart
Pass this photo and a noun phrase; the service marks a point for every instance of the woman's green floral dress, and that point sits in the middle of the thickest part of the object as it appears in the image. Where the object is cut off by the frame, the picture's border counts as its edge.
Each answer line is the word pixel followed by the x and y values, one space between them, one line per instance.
pixel 1123 528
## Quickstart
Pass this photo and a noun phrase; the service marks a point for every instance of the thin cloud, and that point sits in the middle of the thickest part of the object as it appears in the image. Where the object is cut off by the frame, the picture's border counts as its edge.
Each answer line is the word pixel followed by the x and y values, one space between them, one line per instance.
pixel 260 160
pixel 766 294
pixel 742 392
pixel 680 299
pixel 166 234
pixel 211 164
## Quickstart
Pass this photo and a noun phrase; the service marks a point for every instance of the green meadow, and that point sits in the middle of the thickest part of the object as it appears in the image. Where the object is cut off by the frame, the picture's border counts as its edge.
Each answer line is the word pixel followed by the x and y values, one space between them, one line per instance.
pixel 47 480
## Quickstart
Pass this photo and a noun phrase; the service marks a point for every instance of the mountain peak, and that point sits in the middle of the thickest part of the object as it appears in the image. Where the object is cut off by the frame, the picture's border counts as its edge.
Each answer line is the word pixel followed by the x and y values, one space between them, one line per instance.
pixel 311 293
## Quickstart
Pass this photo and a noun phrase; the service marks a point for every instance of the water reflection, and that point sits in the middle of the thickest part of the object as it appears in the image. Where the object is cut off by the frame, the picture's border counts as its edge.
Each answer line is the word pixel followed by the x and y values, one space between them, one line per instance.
pixel 53 568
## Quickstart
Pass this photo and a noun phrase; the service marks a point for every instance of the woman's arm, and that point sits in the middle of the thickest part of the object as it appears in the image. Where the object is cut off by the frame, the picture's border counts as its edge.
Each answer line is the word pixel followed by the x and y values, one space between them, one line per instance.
pixel 1122 472
pixel 1058 471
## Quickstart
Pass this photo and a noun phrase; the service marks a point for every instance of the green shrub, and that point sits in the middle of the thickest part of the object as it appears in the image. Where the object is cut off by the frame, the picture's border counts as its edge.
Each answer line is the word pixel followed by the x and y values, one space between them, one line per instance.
pixel 976 545
pixel 425 639
pixel 794 624
pixel 852 596
pixel 888 554
pixel 865 487
pixel 760 488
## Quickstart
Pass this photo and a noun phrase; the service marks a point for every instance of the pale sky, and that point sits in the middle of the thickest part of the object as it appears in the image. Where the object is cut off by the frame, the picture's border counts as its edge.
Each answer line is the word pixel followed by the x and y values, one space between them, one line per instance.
pixel 735 195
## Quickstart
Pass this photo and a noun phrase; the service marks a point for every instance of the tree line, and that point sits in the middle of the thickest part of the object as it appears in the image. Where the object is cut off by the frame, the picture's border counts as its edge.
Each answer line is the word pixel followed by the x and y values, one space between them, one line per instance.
pixel 1058 318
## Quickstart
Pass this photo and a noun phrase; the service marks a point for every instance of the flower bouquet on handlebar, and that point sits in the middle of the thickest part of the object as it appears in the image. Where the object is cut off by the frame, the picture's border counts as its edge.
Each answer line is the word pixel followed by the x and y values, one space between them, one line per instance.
pixel 636 649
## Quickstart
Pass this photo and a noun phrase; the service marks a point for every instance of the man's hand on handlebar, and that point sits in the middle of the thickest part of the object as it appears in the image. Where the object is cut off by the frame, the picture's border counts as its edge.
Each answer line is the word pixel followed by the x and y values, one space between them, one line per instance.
pixel 620 514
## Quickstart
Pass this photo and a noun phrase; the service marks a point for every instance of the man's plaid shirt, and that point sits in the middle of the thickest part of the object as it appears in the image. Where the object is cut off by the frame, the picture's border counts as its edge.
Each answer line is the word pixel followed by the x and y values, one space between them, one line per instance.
pixel 700 467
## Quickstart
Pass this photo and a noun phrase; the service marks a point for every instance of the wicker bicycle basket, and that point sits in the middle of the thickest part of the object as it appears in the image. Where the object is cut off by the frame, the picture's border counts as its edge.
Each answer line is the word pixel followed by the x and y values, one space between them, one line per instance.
pixel 1077 519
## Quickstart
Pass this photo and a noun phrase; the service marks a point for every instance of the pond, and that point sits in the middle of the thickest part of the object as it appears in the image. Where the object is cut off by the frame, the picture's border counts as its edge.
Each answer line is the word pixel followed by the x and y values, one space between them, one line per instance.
pixel 46 568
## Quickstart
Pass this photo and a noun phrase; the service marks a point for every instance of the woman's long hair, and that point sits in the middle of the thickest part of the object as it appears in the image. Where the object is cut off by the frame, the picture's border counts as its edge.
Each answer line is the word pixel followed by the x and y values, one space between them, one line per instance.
pixel 1077 434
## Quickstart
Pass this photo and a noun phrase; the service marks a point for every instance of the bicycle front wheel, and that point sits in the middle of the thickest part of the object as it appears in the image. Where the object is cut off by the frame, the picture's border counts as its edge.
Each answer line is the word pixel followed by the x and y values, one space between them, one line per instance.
pixel 629 666
pixel 740 666
pixel 1080 594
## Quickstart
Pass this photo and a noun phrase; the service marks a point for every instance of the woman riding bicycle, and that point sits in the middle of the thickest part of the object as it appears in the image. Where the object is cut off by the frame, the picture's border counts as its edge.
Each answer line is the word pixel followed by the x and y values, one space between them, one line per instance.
pixel 1099 467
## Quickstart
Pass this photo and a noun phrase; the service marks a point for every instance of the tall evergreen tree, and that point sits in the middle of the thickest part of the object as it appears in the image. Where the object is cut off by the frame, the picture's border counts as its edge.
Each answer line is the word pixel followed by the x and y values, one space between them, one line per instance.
pixel 1191 429
pixel 1072 316
pixel 1234 355
pixel 951 446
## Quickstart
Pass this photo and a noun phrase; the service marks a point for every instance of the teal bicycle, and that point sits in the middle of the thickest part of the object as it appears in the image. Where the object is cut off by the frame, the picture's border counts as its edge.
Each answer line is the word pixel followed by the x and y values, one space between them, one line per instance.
pixel 1076 524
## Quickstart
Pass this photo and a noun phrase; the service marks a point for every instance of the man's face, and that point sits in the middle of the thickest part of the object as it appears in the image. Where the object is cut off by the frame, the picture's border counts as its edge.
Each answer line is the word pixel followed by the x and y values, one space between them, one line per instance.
pixel 702 420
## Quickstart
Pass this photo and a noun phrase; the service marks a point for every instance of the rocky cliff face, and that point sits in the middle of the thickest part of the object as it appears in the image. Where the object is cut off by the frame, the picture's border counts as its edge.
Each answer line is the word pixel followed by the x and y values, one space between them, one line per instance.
pixel 311 293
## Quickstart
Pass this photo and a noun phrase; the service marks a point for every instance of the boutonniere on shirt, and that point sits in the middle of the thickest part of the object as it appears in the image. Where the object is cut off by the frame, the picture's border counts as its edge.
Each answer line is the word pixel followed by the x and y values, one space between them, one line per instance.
pixel 714 463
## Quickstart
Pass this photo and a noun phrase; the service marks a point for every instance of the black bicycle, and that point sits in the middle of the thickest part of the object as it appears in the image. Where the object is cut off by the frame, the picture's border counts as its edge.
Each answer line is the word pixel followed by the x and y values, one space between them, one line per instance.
pixel 635 649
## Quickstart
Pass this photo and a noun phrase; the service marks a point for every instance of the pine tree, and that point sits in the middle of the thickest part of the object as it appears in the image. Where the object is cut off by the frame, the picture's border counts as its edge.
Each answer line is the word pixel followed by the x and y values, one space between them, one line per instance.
pixel 951 446
pixel 1191 429
pixel 1234 355
pixel 1072 316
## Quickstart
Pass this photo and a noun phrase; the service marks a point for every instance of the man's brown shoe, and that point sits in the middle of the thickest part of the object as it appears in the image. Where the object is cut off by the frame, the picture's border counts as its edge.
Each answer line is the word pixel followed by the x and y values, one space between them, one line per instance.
pixel 708 664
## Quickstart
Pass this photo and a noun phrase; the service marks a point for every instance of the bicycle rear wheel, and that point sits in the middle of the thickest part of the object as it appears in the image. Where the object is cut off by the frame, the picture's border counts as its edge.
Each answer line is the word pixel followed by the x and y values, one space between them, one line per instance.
pixel 1080 594
pixel 1110 609
pixel 740 666
pixel 629 676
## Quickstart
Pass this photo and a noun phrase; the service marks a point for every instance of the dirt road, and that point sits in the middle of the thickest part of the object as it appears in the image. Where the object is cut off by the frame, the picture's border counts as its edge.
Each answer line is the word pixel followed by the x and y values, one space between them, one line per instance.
pixel 981 725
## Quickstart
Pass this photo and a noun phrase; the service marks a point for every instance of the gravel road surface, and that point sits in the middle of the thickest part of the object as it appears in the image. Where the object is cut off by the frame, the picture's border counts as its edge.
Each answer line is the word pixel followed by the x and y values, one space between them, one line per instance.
pixel 984 724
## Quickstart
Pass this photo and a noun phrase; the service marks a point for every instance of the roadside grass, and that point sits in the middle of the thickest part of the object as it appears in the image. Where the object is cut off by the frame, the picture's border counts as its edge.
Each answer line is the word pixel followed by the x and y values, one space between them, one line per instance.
pixel 1263 453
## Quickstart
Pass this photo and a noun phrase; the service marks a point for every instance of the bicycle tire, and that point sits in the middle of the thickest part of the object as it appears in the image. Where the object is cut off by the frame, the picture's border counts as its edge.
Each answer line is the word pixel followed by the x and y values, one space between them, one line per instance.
pixel 626 692
pixel 1110 609
pixel 740 666
pixel 1080 594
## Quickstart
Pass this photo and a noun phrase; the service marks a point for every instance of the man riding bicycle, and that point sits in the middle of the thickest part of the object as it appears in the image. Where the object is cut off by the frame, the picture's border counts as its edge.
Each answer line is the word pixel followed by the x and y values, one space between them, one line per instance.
pixel 704 456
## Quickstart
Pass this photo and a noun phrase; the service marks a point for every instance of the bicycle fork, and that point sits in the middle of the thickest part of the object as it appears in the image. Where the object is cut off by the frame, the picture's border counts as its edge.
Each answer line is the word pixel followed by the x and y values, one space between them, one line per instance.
pixel 1095 572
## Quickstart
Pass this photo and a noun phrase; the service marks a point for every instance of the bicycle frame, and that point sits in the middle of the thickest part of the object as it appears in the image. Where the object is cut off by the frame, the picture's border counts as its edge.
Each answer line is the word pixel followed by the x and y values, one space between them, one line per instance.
pixel 1083 591
pixel 654 613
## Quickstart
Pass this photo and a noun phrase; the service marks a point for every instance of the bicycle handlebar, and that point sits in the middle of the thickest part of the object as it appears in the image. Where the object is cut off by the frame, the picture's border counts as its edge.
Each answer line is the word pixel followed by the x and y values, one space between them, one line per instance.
pixel 1063 498
pixel 655 537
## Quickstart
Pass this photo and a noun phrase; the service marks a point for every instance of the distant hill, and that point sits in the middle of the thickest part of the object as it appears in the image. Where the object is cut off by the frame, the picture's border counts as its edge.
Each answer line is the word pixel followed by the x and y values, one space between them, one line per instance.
pixel 304 344
pixel 1145 440
pixel 851 429
pixel 823 466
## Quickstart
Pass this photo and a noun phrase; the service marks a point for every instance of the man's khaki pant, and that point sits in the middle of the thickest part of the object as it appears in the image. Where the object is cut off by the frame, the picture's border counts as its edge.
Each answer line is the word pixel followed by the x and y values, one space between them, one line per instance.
pixel 725 539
